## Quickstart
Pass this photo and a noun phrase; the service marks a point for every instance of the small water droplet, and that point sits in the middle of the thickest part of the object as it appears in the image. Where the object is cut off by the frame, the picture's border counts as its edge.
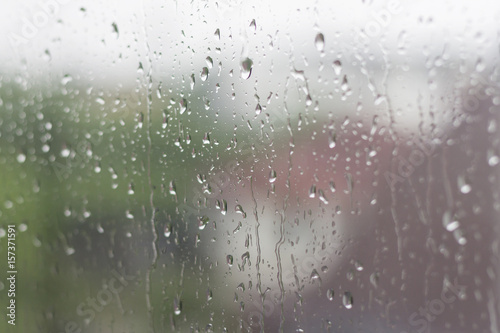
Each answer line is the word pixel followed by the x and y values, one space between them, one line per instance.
pixel 202 222
pixel 193 81
pixel 240 210
pixel 253 24
pixel 374 277
pixel 463 185
pixel 177 306
pixel 183 104
pixel 209 61
pixel 115 29
pixel 459 237
pixel 172 188
pixel 312 191
pixel 350 182
pixel 129 215
pixel 322 197
pixel 480 65
pixel 204 74
pixel 332 186
pixel 229 260
pixel 347 300
pixel 337 67
pixel 258 109
pixel 344 86
pixel 168 230
pixel 379 100
pixel 319 41
pixel 206 139
pixel 272 176
pixel 65 152
pixel 223 208
pixel 66 79
pixel 309 100
pixel 492 158
pixel 217 34
pixel 21 158
pixel 330 293
pixel 315 275
pixel 332 139
pixel 245 257
pixel 449 222
pixel 246 68
pixel 359 266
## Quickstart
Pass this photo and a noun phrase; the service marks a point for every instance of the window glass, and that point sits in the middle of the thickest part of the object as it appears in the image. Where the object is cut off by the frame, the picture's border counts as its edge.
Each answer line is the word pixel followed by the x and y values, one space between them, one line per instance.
pixel 231 166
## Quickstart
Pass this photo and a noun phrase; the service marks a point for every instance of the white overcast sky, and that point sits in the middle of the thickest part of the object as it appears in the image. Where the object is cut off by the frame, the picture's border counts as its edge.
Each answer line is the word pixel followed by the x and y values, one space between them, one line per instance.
pixel 82 42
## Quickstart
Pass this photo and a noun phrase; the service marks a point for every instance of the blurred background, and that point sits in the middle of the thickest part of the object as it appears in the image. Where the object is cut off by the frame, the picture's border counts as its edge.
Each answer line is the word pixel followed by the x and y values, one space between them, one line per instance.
pixel 229 166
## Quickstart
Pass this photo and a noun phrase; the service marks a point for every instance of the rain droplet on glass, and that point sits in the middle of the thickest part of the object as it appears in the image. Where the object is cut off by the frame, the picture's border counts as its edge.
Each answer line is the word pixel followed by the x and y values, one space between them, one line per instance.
pixel 319 41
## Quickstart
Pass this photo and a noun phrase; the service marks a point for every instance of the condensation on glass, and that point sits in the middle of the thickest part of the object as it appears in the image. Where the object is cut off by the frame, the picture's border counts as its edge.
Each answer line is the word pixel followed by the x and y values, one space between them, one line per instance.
pixel 226 166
